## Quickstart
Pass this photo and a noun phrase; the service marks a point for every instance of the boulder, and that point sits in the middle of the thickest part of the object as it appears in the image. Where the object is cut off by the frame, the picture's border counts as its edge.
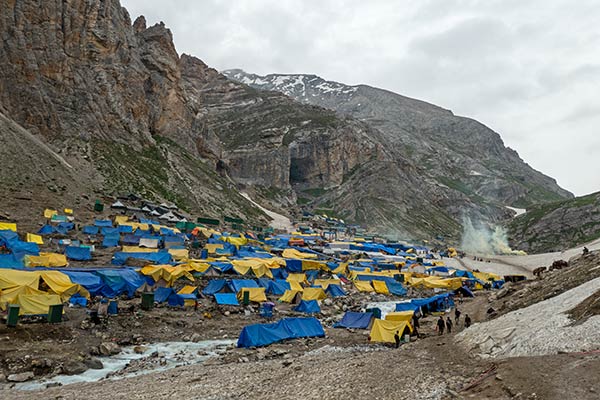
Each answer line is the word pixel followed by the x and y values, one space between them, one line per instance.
pixel 21 377
pixel 74 368
pixel 109 349
pixel 93 363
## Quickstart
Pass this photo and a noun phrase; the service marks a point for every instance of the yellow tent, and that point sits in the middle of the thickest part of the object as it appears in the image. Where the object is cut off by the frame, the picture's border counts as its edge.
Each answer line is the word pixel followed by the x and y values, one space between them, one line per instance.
pixel 188 289
pixel 341 269
pixel 400 316
pixel 257 295
pixel 168 273
pixel 9 296
pixel 212 247
pixel 380 287
pixel 295 286
pixel 293 253
pixel 31 238
pixel 289 296
pixel 324 283
pixel 258 266
pixel 313 294
pixel 48 213
pixel 8 226
pixel 46 260
pixel 314 264
pixel 179 254
pixel 137 249
pixel 384 331
pixel 237 241
pixel 197 266
pixel 11 278
pixel 121 219
pixel 35 304
pixel 61 284
pixel 68 211
pixel 363 286
pixel 300 278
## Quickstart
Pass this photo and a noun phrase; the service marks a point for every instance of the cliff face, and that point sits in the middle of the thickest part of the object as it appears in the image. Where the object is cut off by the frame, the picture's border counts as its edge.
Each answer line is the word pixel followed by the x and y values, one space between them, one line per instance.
pixel 557 226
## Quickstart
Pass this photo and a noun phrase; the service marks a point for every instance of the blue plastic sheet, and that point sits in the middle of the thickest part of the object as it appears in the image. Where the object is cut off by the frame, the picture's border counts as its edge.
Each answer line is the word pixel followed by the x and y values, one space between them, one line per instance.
pixel 355 320
pixel 258 335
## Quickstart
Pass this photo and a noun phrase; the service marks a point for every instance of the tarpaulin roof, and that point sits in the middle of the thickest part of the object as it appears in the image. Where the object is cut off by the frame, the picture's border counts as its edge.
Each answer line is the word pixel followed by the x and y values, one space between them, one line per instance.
pixel 119 281
pixel 226 299
pixel 308 306
pixel 161 294
pixel 90 281
pixel 237 284
pixel 9 261
pixel 36 304
pixel 78 253
pixel 312 293
pixel 384 331
pixel 396 288
pixel 355 320
pixel 256 295
pixel 103 223
pixel 408 306
pixel 278 287
pixel 288 328
pixel 335 291
pixel 120 258
pixel 214 286
pixel 90 230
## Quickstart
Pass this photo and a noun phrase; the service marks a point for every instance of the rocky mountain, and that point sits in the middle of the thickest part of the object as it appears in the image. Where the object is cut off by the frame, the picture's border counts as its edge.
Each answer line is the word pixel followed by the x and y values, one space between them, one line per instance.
pixel 457 152
pixel 109 106
pixel 557 226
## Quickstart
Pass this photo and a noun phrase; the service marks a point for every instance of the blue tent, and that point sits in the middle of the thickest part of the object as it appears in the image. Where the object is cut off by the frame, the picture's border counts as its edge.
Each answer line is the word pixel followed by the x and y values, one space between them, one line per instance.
pixel 103 223
pixel 463 274
pixel 89 280
pixel 214 286
pixel 221 265
pixel 228 299
pixel 64 227
pixel 278 287
pixel 288 328
pixel 335 291
pixel 396 288
pixel 161 294
pixel 279 273
pixel 408 306
pixel 311 274
pixel 131 240
pixel 9 261
pixel 125 229
pixel 308 306
pixel 106 231
pixel 46 230
pixel 120 258
pixel 78 253
pixel 21 249
pixel 117 281
pixel 90 230
pixel 237 284
pixel 465 291
pixel 293 265
pixel 263 282
pixel 110 241
pixel 355 320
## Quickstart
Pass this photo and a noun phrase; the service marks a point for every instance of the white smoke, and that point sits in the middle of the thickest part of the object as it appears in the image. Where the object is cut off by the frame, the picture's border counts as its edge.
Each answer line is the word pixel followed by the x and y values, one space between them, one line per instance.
pixel 482 240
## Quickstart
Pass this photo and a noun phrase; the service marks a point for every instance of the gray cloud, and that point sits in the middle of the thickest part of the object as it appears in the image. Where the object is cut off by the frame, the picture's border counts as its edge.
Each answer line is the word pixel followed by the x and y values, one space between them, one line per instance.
pixel 529 70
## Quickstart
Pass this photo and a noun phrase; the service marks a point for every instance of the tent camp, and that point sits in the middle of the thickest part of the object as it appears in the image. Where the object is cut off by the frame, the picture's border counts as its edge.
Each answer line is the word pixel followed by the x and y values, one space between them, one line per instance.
pixel 384 330
pixel 308 307
pixel 355 320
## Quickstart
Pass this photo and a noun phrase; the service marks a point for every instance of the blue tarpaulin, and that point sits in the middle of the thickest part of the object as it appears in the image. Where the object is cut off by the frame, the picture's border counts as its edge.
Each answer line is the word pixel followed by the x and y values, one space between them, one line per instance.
pixel 214 286
pixel 120 258
pixel 258 335
pixel 161 294
pixel 408 306
pixel 355 320
pixel 278 287
pixel 92 282
pixel 46 230
pixel 396 288
pixel 131 240
pixel 9 261
pixel 120 281
pixel 335 291
pixel 237 284
pixel 110 241
pixel 90 230
pixel 103 223
pixel 109 231
pixel 228 299
pixel 308 306
pixel 221 266
pixel 64 227
pixel 293 265
pixel 78 253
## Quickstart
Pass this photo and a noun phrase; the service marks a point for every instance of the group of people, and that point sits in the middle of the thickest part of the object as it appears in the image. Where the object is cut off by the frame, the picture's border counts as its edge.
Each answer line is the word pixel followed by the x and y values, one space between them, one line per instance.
pixel 447 325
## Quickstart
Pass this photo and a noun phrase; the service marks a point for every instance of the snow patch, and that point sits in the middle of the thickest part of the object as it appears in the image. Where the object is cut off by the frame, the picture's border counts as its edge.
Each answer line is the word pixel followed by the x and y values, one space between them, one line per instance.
pixel 279 221
pixel 519 211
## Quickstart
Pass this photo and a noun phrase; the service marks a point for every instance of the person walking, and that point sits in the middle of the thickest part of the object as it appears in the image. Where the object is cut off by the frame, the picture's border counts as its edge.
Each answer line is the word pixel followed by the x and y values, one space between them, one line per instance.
pixel 441 325
pixel 397 338
pixel 449 325
pixel 457 314
pixel 467 321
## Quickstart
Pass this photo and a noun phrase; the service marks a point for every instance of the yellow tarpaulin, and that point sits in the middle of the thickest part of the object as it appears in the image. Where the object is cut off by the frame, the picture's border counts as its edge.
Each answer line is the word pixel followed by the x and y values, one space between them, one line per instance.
pixel 380 287
pixel 35 304
pixel 168 273
pixel 61 284
pixel 68 211
pixel 383 331
pixel 31 238
pixel 8 226
pixel 46 260
pixel 135 225
pixel 293 253
pixel 363 286
pixel 314 265
pixel 258 266
pixel 236 241
pixel 121 219
pixel 197 266
pixel 288 296
pixel 10 278
pixel 341 269
pixel 137 249
pixel 9 296
pixel 301 278
pixel 187 289
pixel 212 247
pixel 48 213
pixel 313 294
pixel 257 295
pixel 324 283
pixel 400 316
pixel 295 286
pixel 179 254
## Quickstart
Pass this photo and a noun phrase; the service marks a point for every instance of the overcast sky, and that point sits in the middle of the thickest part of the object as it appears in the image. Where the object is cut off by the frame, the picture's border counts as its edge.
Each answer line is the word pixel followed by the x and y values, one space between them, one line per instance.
pixel 530 70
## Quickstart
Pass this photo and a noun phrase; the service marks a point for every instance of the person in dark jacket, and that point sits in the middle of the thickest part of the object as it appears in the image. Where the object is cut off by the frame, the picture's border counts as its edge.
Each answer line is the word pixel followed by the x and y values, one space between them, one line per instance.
pixel 397 339
pixel 441 325
pixel 449 324
pixel 467 321
pixel 456 315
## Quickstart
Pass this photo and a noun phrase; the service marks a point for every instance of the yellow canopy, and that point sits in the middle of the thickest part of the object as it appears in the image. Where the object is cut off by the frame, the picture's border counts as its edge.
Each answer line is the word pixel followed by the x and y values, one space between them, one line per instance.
pixel 295 286
pixel 8 226
pixel 258 266
pixel 212 247
pixel 400 316
pixel 68 211
pixel 137 249
pixel 288 296
pixel 237 241
pixel 61 284
pixel 363 286
pixel 300 278
pixel 168 273
pixel 380 287
pixel 313 294
pixel 31 238
pixel 121 219
pixel 9 296
pixel 384 331
pixel 257 295
pixel 293 253
pixel 314 264
pixel 179 254
pixel 188 289
pixel 46 260
pixel 35 304
pixel 48 213
pixel 324 283
pixel 341 269
pixel 196 266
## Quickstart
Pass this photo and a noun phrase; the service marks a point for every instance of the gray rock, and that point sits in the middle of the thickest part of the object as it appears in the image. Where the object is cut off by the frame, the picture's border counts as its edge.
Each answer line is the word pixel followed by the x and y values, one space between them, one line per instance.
pixel 109 349
pixel 93 363
pixel 20 377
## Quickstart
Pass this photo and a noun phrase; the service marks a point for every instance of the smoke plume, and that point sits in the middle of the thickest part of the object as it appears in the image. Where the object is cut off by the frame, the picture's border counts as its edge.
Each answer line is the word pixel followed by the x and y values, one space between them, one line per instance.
pixel 481 239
